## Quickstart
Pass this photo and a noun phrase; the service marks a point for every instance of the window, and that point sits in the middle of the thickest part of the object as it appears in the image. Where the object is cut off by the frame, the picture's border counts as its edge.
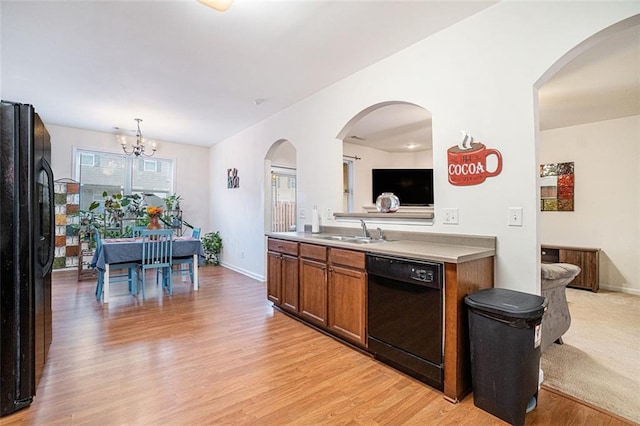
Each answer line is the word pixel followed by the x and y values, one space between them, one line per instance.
pixel 116 173
pixel 87 159
pixel 150 166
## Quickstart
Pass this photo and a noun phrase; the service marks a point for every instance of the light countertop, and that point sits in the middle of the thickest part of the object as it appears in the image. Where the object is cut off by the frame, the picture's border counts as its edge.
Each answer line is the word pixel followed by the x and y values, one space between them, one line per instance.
pixel 443 247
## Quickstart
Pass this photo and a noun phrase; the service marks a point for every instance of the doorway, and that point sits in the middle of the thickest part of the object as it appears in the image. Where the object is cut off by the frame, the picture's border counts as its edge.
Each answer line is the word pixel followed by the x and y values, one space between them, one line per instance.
pixel 280 187
pixel 283 199
pixel 584 117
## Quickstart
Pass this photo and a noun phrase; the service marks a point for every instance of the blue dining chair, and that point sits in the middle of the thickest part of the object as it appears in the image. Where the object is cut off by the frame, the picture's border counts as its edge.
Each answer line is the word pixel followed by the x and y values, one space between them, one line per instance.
pixel 179 261
pixel 157 253
pixel 195 233
pixel 128 277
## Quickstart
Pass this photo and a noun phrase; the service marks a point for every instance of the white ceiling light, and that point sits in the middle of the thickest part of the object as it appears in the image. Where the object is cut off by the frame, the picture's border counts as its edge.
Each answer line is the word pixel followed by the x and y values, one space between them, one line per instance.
pixel 219 5
pixel 139 148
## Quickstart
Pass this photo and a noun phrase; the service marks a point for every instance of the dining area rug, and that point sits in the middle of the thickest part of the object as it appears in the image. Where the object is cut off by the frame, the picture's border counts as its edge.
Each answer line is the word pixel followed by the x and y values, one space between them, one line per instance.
pixel 598 362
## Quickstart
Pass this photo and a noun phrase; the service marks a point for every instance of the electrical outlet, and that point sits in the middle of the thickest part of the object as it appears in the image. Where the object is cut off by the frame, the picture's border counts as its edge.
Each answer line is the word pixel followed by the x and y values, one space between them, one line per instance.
pixel 329 214
pixel 451 216
pixel 515 216
pixel 302 213
pixel 241 255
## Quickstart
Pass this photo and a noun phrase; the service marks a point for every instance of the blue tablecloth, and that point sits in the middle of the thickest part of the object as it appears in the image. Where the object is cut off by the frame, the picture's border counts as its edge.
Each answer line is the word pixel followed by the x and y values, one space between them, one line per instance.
pixel 119 250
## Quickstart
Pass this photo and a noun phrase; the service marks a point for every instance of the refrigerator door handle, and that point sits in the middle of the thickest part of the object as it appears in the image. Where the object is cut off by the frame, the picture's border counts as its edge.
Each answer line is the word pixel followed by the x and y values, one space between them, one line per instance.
pixel 51 219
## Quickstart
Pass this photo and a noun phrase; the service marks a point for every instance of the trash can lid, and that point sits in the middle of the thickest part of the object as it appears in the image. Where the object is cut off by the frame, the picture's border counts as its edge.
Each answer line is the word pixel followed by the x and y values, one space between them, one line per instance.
pixel 508 303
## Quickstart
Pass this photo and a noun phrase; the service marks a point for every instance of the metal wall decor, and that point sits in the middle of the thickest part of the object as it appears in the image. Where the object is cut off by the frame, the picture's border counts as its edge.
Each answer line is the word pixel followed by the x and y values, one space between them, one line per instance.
pixel 467 162
pixel 233 180
pixel 556 187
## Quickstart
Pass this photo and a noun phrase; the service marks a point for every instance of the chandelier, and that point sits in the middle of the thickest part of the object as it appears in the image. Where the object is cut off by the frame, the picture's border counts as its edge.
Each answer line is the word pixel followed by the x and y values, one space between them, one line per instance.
pixel 138 149
pixel 219 5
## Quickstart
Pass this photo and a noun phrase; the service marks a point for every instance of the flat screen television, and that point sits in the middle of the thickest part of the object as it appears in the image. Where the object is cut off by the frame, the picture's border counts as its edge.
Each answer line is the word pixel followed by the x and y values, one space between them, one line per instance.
pixel 414 187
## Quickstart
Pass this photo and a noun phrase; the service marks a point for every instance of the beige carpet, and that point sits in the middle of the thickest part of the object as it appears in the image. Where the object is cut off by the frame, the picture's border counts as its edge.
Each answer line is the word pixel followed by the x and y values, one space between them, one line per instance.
pixel 599 362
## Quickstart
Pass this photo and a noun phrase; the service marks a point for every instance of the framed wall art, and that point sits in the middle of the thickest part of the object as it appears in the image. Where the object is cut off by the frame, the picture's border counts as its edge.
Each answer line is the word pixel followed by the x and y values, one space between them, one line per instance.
pixel 557 187
pixel 233 180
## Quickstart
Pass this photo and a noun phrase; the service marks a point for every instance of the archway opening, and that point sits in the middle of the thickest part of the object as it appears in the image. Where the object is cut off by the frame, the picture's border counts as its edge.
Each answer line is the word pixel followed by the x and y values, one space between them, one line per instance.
pixel 387 135
pixel 281 193
pixel 588 112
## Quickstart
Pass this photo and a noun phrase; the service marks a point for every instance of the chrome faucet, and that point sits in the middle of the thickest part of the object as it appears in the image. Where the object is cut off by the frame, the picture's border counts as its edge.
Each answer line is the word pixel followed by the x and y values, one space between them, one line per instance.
pixel 365 231
pixel 380 234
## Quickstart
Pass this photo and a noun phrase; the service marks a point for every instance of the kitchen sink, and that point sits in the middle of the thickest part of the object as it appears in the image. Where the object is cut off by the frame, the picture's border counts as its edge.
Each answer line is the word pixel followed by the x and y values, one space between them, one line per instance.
pixel 348 239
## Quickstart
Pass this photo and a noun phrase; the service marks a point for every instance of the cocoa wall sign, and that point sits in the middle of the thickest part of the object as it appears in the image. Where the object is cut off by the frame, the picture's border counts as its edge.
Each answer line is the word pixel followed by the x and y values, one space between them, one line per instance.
pixel 467 162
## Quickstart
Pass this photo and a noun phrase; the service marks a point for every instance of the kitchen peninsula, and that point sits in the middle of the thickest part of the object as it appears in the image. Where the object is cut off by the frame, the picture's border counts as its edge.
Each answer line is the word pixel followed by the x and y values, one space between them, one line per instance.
pixel 324 280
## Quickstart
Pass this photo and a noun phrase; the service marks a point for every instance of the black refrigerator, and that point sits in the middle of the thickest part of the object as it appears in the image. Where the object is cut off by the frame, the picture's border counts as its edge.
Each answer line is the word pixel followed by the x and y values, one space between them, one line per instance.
pixel 26 253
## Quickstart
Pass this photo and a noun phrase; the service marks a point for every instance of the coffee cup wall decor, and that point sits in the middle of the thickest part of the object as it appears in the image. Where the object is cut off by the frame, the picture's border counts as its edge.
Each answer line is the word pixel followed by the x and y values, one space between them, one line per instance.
pixel 467 162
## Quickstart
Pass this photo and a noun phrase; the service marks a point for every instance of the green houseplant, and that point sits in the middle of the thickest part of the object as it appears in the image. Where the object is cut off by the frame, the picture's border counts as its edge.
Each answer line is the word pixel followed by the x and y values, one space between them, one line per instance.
pixel 172 201
pixel 212 244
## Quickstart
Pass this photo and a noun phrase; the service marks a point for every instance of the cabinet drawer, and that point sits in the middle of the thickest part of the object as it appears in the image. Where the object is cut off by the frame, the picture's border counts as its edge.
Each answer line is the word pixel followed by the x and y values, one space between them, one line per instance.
pixel 281 246
pixel 353 259
pixel 312 251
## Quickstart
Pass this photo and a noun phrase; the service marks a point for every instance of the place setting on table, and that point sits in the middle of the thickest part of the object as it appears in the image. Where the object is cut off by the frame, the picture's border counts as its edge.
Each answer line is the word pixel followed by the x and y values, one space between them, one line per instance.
pixel 121 253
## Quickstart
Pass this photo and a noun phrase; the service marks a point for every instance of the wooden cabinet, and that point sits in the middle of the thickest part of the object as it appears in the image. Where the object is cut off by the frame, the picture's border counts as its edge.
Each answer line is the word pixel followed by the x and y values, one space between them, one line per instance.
pixel 327 289
pixel 460 280
pixel 282 273
pixel 587 259
pixel 331 290
pixel 347 299
pixel 313 284
pixel 290 297
pixel 274 277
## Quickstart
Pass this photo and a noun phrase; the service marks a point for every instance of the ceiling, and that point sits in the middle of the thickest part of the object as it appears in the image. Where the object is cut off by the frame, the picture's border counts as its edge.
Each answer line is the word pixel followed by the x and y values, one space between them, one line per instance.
pixel 198 76
pixel 195 75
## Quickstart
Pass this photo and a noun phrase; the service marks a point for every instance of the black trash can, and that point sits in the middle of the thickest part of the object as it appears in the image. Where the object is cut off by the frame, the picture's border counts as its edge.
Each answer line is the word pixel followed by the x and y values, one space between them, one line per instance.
pixel 504 333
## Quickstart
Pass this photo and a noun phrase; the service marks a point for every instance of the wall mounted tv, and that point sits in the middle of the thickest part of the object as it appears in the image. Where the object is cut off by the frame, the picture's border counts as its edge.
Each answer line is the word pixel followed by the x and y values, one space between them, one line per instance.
pixel 414 187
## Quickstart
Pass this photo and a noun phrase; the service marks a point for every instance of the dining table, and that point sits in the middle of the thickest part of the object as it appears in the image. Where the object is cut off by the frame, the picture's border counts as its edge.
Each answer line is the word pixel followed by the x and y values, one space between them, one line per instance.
pixel 113 251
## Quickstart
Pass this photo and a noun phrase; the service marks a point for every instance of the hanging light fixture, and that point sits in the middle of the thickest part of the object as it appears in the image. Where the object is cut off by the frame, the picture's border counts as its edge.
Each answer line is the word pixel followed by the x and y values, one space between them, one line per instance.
pixel 138 149
pixel 219 5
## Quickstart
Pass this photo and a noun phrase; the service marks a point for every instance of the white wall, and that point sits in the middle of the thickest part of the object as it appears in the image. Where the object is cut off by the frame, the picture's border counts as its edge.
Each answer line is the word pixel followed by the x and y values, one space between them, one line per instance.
pixel 477 75
pixel 284 156
pixel 607 196
pixel 371 158
pixel 191 162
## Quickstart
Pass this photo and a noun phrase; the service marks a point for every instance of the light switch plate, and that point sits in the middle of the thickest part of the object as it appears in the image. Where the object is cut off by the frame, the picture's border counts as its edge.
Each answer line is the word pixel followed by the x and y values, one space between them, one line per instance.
pixel 515 216
pixel 451 216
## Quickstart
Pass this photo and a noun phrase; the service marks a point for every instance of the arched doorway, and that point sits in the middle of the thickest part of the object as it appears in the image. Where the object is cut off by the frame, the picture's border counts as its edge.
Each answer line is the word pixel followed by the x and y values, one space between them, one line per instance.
pixel 280 190
pixel 385 135
pixel 584 117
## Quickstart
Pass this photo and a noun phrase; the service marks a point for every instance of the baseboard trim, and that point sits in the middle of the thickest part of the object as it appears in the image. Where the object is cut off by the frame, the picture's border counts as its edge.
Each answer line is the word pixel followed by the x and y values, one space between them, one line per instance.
pixel 243 272
pixel 634 291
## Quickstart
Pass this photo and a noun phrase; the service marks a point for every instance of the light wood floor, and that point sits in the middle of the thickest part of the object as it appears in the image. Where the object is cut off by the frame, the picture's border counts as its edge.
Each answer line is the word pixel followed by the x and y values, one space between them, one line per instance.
pixel 222 355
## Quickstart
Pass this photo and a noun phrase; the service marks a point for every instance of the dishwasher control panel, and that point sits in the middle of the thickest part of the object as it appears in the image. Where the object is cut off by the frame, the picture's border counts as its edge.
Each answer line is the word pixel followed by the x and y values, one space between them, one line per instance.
pixel 425 275
pixel 406 270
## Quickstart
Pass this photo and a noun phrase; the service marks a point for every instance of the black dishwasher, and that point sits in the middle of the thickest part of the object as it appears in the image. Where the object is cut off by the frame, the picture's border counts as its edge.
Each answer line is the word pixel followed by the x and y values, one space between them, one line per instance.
pixel 405 316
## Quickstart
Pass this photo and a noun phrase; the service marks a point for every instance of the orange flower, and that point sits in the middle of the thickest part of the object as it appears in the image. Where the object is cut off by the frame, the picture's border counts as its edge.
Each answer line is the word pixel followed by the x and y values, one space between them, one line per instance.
pixel 154 211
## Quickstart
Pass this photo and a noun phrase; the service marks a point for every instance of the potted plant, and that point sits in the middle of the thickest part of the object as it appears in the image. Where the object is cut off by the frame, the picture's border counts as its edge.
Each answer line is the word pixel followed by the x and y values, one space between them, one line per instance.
pixel 212 244
pixel 172 200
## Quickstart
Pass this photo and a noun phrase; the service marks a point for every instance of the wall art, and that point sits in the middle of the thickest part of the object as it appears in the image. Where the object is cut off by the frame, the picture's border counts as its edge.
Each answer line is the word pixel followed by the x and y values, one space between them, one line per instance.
pixel 556 187
pixel 233 180
pixel 467 162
